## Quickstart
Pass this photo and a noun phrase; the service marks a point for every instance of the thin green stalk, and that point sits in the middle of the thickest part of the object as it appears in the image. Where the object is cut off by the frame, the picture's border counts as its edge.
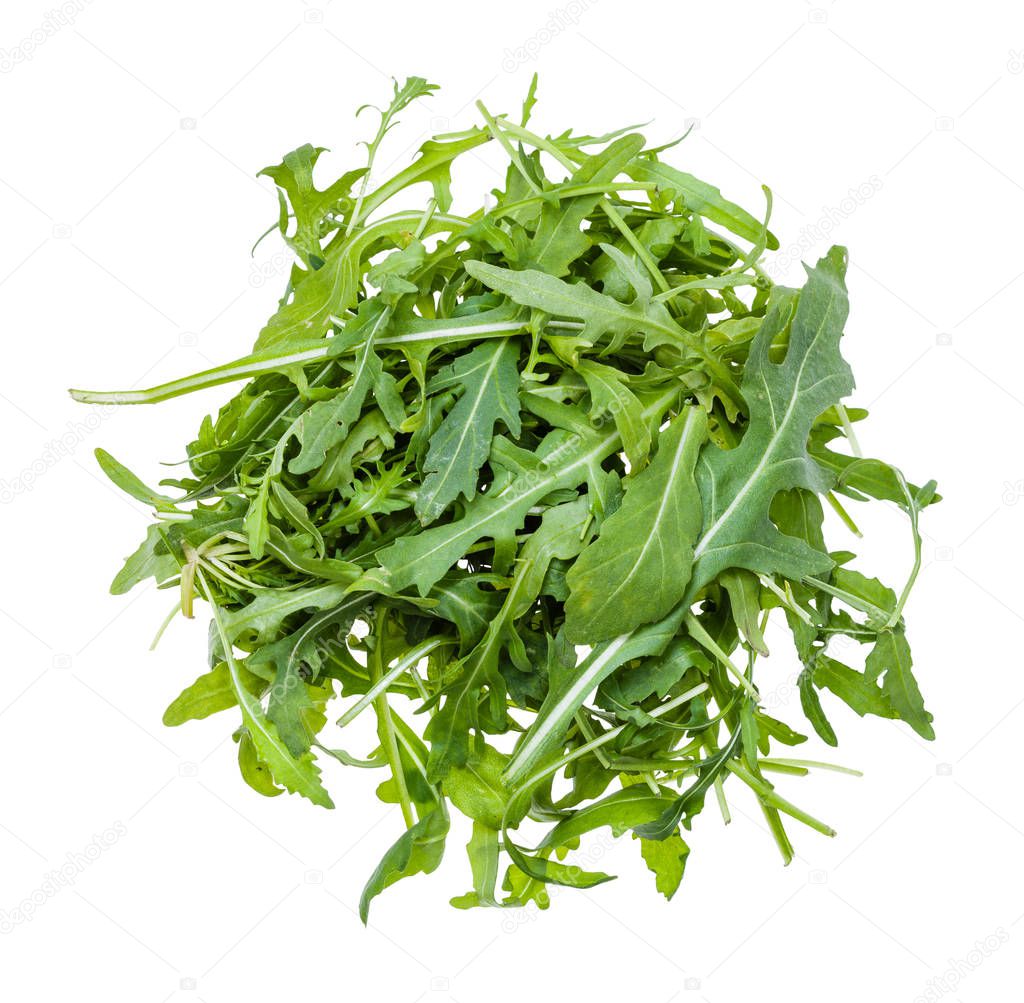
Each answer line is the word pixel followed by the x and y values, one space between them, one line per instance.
pixel 851 435
pixel 840 510
pixel 723 805
pixel 778 831
pixel 589 735
pixel 408 661
pixel 912 512
pixel 705 640
pixel 387 730
pixel 512 153
pixel 786 598
pixel 811 764
pixel 768 793
pixel 609 736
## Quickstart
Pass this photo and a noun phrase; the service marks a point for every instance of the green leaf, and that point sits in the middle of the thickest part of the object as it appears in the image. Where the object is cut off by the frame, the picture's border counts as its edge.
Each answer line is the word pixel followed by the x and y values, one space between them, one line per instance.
pixel 417 851
pixel 868 595
pixel 477 788
pixel 467 601
pixel 257 522
pixel 691 801
pixel 483 852
pixel 639 567
pixel 489 378
pixel 737 485
pixel 294 176
pixel 553 872
pixel 602 316
pixel 370 434
pixel 211 692
pixel 267 612
pixel 298 775
pixel 129 483
pixel 609 395
pixel 567 695
pixel 624 691
pixel 629 807
pixel 858 691
pixel 559 536
pixel 297 709
pixel 295 512
pixel 153 559
pixel 890 659
pixel 333 288
pixel 860 477
pixel 744 593
pixel 666 859
pixel 254 771
pixel 813 711
pixel 622 810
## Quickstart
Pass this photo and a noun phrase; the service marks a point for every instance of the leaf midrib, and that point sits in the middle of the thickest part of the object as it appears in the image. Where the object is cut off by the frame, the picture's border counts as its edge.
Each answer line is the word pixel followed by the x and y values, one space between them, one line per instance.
pixel 469 424
pixel 663 504
pixel 755 475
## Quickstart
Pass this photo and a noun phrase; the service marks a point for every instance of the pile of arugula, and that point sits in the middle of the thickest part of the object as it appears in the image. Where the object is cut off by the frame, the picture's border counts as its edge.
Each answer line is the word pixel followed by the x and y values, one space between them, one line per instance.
pixel 532 479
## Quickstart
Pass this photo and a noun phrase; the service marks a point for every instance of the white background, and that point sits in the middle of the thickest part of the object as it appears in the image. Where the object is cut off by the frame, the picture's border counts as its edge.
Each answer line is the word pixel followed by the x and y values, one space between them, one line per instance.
pixel 128 198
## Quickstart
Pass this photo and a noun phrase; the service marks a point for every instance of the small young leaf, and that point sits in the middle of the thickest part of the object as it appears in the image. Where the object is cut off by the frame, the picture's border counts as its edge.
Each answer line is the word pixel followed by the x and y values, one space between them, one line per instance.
pixel 890 660
pixel 666 859
pixel 211 692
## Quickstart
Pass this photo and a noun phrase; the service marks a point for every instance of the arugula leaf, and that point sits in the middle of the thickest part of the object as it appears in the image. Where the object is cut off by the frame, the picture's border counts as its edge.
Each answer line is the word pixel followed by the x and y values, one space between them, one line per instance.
pixel 478 790
pixel 601 315
pixel 297 774
pixel 484 861
pixel 212 692
pixel 666 859
pixel 856 689
pixel 294 178
pixel 609 395
pixel 417 851
pixel 890 659
pixel 639 567
pixel 737 486
pixel 130 484
pixel 460 446
pixel 153 559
